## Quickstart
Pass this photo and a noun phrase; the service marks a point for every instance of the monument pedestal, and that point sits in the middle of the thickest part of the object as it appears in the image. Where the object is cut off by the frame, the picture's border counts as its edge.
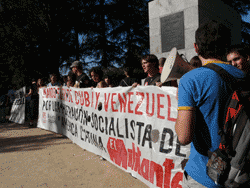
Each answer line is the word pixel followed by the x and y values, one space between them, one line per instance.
pixel 172 23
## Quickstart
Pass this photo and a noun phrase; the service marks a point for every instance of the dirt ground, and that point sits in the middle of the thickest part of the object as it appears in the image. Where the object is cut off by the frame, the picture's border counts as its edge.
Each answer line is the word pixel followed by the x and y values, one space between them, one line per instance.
pixel 33 157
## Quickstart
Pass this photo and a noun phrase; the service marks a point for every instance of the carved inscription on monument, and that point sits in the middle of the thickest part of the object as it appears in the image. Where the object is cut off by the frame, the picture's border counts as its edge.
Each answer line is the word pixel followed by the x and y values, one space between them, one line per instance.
pixel 172 32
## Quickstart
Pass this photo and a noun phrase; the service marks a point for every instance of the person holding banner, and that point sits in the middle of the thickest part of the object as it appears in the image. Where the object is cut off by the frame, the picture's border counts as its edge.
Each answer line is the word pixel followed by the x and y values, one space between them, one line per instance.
pixel 33 103
pixel 108 80
pixel 129 80
pixel 96 75
pixel 161 64
pixel 53 80
pixel 40 84
pixel 82 80
pixel 202 97
pixel 150 65
pixel 71 80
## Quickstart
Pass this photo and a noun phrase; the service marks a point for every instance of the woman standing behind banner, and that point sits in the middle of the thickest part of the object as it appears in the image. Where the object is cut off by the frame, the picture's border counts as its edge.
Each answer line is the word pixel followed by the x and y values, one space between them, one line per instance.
pixel 96 75
pixel 108 80
pixel 40 84
pixel 130 79
pixel 33 104
pixel 71 80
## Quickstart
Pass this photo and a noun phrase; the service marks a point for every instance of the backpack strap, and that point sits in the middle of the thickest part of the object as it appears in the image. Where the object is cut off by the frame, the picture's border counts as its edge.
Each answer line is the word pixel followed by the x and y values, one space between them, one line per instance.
pixel 228 78
pixel 231 82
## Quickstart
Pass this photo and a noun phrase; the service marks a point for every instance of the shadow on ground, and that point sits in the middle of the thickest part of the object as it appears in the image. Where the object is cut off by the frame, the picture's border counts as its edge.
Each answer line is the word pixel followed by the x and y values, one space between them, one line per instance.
pixel 13 138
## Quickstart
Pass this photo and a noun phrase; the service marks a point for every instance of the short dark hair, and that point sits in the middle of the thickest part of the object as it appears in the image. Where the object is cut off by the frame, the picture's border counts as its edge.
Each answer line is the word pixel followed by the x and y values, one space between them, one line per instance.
pixel 212 39
pixel 240 49
pixel 77 64
pixel 196 62
pixel 107 76
pixel 72 76
pixel 96 70
pixel 52 74
pixel 129 70
pixel 64 77
pixel 152 59
pixel 162 61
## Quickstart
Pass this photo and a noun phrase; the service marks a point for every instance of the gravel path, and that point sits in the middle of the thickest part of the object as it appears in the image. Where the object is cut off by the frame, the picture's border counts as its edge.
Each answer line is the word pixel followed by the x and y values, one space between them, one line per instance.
pixel 33 157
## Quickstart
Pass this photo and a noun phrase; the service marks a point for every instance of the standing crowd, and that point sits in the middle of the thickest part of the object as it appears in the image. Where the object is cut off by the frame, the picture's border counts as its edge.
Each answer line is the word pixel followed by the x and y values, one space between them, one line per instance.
pixel 202 97
pixel 202 93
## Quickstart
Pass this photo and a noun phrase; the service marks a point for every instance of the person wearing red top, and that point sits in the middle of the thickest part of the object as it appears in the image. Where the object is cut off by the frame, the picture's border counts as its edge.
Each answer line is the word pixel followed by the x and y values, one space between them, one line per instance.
pixel 161 64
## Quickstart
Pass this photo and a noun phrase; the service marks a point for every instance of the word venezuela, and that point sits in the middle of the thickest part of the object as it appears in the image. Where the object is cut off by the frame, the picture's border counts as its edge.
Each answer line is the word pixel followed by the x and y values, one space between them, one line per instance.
pixel 139 103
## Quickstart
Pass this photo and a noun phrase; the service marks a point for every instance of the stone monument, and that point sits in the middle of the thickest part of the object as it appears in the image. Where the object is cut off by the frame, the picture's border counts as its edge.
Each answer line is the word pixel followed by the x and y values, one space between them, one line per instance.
pixel 172 23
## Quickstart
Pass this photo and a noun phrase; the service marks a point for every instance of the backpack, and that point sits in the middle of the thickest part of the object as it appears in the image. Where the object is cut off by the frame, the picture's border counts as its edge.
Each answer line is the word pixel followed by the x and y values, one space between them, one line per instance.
pixel 229 164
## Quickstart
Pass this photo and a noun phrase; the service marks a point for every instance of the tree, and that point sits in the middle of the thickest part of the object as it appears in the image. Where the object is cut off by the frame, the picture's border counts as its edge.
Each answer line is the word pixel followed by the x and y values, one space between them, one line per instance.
pixel 117 34
pixel 242 7
pixel 133 31
pixel 37 36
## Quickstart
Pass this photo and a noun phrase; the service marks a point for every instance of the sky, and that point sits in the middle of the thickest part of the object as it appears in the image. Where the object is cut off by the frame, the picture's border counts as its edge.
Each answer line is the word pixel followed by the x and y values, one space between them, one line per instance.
pixel 246 18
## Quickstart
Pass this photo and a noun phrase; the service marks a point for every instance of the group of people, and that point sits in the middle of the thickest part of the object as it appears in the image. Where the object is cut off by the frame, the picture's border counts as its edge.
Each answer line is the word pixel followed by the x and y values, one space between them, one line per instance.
pixel 202 96
pixel 77 78
pixel 201 93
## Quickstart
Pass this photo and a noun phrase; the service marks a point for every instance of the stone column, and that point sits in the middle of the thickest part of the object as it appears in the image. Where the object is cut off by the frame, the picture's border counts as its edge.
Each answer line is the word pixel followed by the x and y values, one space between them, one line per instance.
pixel 172 23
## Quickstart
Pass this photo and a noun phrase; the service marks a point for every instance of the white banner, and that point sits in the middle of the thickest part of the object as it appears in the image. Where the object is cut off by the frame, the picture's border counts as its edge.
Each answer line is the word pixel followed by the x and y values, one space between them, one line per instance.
pixel 132 128
pixel 17 113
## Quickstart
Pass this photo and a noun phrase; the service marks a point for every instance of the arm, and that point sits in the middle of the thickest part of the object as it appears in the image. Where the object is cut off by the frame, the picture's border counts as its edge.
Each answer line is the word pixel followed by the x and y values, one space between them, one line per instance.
pixel 135 84
pixel 30 93
pixel 159 84
pixel 186 118
pixel 185 125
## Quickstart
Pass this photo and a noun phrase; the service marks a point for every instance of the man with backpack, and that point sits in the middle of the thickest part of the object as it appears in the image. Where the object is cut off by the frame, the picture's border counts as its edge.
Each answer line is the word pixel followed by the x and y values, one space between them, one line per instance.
pixel 202 97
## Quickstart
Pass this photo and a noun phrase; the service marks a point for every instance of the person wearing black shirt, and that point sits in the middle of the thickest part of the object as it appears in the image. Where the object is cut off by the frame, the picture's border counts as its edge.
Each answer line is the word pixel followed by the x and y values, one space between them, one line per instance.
pixel 33 103
pixel 3 105
pixel 96 75
pixel 82 80
pixel 150 65
pixel 129 80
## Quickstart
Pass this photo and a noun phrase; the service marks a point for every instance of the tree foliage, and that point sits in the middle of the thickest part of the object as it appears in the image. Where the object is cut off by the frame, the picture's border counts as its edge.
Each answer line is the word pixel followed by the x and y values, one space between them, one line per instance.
pixel 39 36
pixel 243 8
pixel 117 33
